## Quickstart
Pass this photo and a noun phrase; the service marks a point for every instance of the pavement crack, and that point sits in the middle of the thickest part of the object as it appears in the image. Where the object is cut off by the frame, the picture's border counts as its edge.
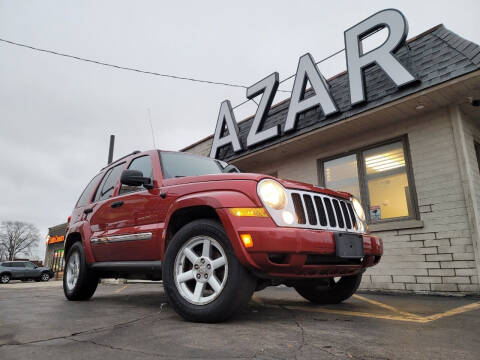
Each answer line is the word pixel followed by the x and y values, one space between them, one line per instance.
pixel 85 332
pixel 299 326
pixel 118 348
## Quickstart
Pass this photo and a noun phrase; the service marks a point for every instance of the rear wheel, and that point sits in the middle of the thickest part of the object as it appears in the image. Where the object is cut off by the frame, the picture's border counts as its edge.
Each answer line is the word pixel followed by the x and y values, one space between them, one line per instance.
pixel 203 279
pixel 5 278
pixel 330 290
pixel 79 282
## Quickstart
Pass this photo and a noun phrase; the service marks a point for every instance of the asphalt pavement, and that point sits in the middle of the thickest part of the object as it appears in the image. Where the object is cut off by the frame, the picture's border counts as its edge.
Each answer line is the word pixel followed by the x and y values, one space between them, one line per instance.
pixel 134 321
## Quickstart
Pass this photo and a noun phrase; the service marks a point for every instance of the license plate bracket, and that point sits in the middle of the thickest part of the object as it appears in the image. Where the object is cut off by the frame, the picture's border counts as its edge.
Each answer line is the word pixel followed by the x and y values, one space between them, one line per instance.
pixel 349 246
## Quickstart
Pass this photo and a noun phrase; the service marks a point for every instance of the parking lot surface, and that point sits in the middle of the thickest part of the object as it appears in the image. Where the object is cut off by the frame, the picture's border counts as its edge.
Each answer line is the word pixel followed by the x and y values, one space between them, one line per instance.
pixel 133 321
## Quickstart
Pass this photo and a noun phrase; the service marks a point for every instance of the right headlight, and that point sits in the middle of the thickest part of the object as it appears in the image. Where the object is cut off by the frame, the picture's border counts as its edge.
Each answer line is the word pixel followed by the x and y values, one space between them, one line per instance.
pixel 358 208
pixel 272 194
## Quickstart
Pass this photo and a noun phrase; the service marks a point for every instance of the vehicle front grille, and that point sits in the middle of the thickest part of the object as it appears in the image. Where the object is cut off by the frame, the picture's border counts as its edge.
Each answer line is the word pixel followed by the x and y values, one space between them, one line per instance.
pixel 319 211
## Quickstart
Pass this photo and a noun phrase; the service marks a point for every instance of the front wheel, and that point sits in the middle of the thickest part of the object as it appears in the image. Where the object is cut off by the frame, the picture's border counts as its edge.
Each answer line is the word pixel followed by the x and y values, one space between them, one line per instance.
pixel 330 290
pixel 45 276
pixel 79 282
pixel 203 279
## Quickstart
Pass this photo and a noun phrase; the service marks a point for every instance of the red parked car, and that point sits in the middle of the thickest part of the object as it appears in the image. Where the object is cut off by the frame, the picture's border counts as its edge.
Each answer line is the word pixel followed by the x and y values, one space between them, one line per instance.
pixel 214 235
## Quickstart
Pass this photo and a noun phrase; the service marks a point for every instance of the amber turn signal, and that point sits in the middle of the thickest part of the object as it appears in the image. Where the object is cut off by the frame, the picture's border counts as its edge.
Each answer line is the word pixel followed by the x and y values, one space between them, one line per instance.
pixel 247 240
pixel 258 212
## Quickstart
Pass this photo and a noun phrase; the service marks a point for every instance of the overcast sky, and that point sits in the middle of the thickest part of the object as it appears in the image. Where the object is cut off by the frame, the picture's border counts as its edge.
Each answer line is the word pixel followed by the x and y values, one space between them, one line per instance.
pixel 56 114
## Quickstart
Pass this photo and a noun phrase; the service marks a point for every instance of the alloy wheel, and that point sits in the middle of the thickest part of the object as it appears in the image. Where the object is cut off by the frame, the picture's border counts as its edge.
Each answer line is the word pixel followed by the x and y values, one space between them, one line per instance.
pixel 201 270
pixel 72 270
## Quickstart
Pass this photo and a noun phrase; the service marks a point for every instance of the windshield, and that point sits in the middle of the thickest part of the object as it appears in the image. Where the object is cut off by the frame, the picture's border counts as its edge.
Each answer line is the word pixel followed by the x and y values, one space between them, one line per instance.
pixel 183 164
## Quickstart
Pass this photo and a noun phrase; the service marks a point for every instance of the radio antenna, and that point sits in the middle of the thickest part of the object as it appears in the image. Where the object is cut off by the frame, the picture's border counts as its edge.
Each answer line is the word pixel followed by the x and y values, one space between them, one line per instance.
pixel 151 127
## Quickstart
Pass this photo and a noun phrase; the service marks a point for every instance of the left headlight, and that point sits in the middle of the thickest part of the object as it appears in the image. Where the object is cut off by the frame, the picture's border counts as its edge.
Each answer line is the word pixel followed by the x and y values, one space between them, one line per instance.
pixel 358 208
pixel 272 194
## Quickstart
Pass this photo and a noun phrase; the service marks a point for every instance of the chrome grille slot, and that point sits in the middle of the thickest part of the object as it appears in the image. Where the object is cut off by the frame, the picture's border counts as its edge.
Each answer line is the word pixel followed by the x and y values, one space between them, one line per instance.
pixel 319 211
pixel 312 217
pixel 331 215
pixel 297 203
pixel 346 215
pixel 338 213
pixel 352 215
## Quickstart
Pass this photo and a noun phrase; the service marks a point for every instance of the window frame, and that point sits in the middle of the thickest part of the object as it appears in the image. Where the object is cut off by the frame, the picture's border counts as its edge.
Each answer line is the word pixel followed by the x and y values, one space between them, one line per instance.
pixel 363 182
pixel 141 187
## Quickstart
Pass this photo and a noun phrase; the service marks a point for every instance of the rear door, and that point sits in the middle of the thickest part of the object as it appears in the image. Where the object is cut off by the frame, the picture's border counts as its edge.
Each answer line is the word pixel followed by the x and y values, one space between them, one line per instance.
pixel 101 214
pixel 133 227
pixel 17 269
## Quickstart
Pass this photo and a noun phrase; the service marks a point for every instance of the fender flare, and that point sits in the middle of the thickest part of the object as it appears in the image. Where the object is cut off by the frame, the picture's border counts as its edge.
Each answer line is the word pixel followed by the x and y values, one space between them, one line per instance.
pixel 83 229
pixel 217 200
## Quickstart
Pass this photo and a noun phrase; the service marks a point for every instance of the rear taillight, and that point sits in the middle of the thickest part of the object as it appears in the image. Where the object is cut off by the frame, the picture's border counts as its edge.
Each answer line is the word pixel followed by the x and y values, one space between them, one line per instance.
pixel 68 220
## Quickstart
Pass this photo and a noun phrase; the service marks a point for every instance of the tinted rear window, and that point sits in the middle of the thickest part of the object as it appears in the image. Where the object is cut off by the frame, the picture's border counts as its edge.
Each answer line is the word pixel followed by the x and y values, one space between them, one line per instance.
pixel 107 186
pixel 88 192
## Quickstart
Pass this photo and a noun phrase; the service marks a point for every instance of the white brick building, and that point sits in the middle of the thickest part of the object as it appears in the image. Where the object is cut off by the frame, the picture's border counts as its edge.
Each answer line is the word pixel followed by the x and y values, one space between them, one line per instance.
pixel 426 206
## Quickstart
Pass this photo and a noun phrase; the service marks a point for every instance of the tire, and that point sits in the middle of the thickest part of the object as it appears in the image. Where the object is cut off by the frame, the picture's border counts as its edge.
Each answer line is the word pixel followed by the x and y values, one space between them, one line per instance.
pixel 45 276
pixel 79 282
pixel 329 291
pixel 5 278
pixel 232 285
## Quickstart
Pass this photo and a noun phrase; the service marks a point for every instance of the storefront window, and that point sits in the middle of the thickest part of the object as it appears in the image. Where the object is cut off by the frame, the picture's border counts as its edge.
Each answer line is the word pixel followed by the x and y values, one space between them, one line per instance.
pixel 381 181
pixel 342 174
pixel 57 264
pixel 387 182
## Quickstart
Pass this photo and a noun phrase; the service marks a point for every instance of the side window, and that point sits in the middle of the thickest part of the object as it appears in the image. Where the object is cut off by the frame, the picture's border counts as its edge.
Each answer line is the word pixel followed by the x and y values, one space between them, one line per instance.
pixel 18 265
pixel 87 193
pixel 29 265
pixel 143 164
pixel 107 186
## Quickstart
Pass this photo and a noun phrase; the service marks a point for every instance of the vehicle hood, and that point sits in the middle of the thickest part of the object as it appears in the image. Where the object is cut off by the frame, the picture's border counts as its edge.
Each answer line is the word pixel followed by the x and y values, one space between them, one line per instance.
pixel 42 268
pixel 290 184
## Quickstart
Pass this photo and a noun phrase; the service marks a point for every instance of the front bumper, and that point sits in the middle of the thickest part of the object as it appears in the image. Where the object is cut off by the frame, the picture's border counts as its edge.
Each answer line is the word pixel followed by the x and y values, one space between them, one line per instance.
pixel 281 252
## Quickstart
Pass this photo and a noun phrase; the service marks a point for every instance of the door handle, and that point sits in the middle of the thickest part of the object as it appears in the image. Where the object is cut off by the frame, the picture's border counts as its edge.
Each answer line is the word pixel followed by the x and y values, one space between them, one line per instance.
pixel 88 211
pixel 116 204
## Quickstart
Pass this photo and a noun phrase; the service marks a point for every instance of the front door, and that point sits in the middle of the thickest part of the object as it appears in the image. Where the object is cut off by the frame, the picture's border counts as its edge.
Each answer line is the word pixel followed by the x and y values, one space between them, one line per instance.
pixel 31 270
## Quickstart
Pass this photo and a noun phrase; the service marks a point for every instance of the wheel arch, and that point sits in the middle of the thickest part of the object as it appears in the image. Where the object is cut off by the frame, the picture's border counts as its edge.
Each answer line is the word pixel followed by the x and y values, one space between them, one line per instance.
pixel 182 216
pixel 71 239
pixel 202 205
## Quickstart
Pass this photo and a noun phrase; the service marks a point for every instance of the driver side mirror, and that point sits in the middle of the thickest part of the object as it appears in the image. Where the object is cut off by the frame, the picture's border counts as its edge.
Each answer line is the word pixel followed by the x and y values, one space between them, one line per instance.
pixel 135 178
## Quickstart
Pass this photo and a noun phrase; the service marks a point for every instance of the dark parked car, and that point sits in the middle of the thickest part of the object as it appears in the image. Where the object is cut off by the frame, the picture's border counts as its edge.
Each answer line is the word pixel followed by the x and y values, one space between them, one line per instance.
pixel 23 270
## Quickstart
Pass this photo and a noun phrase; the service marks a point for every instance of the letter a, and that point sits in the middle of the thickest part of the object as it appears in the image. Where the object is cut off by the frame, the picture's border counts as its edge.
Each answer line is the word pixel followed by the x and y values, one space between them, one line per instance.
pixel 226 119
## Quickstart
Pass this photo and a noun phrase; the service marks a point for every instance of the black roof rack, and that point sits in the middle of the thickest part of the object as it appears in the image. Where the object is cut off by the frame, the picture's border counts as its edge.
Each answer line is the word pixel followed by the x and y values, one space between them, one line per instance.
pixel 123 157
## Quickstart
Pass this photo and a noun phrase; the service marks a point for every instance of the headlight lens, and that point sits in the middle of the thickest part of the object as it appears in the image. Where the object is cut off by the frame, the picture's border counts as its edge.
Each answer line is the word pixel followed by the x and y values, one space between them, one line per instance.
pixel 272 194
pixel 358 209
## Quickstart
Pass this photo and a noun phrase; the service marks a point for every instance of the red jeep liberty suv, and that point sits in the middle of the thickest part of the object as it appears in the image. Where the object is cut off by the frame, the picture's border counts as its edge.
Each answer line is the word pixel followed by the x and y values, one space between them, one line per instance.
pixel 214 235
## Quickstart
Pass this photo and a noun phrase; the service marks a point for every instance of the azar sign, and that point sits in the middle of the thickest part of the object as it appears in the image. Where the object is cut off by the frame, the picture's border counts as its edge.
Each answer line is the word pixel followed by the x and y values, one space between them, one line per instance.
pixel 307 71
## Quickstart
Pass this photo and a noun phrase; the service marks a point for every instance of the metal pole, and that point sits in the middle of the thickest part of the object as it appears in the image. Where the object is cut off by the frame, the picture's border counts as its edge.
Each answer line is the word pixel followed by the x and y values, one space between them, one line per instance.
pixel 110 150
